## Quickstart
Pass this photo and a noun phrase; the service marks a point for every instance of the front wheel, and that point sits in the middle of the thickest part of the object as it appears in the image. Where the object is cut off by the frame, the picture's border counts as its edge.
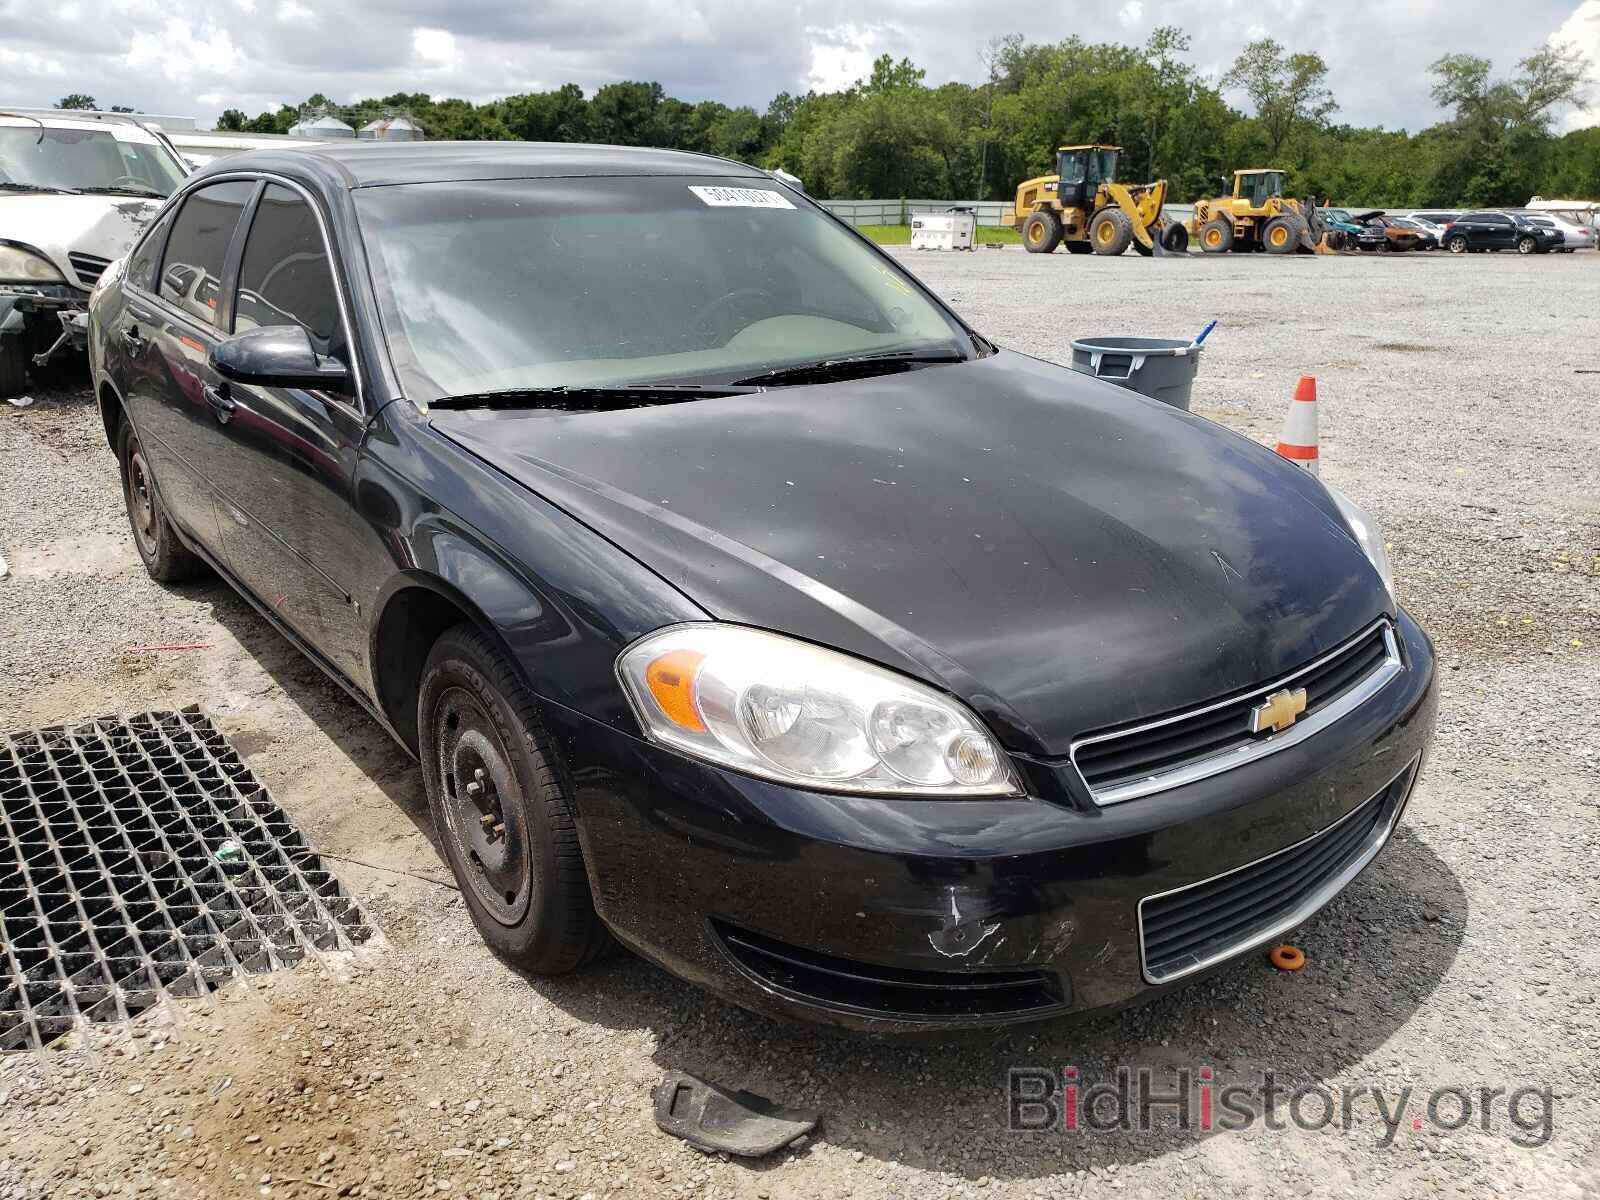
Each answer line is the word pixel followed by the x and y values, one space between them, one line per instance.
pixel 502 809
pixel 1281 236
pixel 1526 245
pixel 1110 231
pixel 13 365
pixel 1216 236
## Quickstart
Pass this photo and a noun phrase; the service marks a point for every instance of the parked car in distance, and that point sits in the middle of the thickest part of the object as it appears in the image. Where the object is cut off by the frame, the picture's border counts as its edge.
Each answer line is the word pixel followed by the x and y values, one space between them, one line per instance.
pixel 1493 230
pixel 1434 234
pixel 1379 231
pixel 75 190
pixel 1434 216
pixel 1573 235
pixel 745 605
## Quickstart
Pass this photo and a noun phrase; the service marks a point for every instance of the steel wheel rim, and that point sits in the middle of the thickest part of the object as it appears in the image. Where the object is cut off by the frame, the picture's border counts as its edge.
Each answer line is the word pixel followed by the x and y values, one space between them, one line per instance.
pixel 141 503
pixel 484 816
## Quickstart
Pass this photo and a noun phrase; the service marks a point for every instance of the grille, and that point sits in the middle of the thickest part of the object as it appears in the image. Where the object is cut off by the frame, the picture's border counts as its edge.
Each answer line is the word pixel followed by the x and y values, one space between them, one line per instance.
pixel 1193 745
pixel 1187 930
pixel 140 859
pixel 892 992
pixel 87 267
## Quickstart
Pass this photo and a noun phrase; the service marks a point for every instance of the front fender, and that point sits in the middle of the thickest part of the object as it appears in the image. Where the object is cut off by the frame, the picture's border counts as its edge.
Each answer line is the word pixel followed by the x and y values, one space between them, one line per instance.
pixel 561 599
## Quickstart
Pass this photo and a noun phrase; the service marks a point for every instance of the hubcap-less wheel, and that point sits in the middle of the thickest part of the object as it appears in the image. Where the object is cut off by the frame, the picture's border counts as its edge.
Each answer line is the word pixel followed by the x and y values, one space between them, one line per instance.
pixel 141 503
pixel 483 809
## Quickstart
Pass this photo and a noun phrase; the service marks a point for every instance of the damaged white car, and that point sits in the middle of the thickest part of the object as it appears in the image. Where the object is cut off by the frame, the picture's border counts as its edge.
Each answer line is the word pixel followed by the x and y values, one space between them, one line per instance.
pixel 75 190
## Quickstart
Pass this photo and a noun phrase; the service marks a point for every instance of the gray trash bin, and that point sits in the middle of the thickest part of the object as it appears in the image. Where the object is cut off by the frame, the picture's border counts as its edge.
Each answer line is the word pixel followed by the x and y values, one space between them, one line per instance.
pixel 1161 368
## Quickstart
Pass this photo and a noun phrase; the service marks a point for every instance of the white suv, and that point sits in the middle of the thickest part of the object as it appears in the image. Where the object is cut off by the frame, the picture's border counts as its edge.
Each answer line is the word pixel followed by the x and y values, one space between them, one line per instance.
pixel 75 190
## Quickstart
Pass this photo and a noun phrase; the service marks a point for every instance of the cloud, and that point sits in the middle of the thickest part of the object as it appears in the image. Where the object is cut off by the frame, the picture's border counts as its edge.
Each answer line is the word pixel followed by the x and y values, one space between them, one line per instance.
pixel 180 56
pixel 1582 30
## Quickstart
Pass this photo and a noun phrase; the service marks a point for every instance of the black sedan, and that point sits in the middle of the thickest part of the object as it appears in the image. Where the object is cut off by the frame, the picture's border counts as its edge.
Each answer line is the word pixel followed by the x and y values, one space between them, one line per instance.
pixel 745 606
pixel 1496 230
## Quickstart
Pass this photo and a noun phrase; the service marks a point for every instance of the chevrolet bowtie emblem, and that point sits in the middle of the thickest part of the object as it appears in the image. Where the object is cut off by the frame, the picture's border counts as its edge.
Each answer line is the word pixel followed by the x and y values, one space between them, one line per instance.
pixel 1278 711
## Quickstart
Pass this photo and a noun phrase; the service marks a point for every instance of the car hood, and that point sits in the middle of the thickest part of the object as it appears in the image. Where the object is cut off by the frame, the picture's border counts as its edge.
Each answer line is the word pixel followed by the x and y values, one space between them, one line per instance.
pixel 56 225
pixel 1059 552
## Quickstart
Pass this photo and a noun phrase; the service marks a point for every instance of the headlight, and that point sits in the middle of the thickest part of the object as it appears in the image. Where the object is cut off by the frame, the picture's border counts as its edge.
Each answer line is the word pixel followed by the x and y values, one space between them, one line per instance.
pixel 24 266
pixel 1366 534
pixel 790 711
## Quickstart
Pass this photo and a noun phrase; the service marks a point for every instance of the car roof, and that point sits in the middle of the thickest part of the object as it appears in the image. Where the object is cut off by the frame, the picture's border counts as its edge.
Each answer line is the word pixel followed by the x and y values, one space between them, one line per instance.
pixel 376 164
pixel 128 128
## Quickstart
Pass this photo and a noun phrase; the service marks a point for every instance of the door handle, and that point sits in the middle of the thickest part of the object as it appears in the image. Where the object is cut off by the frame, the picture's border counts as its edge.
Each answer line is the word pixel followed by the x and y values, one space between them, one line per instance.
pixel 133 339
pixel 222 404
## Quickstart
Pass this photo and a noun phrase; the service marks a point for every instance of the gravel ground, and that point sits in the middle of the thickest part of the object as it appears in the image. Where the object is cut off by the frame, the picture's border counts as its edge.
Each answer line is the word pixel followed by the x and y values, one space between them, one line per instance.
pixel 1455 405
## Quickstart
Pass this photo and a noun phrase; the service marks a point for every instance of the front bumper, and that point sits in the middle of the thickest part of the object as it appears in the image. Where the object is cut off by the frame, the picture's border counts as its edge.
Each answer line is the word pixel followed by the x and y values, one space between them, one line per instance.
pixel 905 915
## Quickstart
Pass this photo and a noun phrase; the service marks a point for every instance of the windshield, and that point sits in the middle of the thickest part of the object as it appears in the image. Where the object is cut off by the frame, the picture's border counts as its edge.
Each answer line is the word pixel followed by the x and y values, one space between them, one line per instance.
pixel 84 159
pixel 595 282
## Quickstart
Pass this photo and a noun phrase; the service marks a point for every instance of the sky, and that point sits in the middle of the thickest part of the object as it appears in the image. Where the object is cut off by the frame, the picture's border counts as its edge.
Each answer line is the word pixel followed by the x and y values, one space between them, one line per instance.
pixel 196 57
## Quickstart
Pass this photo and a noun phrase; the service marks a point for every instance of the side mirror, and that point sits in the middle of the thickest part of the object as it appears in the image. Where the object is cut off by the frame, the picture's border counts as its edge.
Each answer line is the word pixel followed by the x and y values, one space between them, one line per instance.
pixel 278 356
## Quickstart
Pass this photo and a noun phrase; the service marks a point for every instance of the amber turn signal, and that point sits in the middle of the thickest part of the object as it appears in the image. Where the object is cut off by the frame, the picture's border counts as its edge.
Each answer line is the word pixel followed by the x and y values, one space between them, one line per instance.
pixel 671 682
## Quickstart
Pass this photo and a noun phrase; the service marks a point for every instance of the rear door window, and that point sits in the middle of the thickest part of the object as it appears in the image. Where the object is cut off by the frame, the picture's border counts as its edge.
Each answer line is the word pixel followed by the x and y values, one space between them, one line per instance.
pixel 142 263
pixel 191 274
pixel 285 278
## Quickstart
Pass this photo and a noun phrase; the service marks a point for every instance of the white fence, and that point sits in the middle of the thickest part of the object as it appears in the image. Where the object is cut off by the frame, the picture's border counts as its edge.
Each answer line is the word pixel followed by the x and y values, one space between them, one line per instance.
pixel 990 213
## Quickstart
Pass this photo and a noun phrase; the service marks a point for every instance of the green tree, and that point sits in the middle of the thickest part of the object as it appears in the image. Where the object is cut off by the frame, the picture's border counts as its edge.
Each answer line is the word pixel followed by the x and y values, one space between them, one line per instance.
pixel 79 100
pixel 1501 143
pixel 1289 91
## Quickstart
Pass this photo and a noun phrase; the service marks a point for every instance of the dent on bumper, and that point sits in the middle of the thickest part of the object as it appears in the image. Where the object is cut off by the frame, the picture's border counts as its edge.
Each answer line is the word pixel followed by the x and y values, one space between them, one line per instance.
pixel 691 865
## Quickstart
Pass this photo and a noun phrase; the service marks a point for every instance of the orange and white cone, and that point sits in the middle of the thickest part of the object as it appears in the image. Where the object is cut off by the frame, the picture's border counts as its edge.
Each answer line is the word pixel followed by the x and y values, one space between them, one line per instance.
pixel 1299 440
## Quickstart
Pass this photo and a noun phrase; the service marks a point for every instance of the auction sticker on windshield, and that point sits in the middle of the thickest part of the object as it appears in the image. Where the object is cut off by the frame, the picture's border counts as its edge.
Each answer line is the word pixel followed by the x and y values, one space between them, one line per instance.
pixel 736 197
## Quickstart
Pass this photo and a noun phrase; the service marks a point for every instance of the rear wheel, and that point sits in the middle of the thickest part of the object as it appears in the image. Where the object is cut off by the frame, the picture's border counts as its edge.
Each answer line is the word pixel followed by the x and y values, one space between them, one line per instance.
pixel 1456 244
pixel 502 808
pixel 1281 236
pixel 1216 236
pixel 1175 237
pixel 165 558
pixel 1041 232
pixel 1110 231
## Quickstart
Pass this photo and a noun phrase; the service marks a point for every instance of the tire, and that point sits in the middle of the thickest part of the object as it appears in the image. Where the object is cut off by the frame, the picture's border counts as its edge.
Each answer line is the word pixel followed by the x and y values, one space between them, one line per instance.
pixel 1526 245
pixel 1110 232
pixel 1281 236
pixel 1175 238
pixel 1079 246
pixel 512 844
pixel 13 365
pixel 1041 232
pixel 1456 244
pixel 1141 249
pixel 165 558
pixel 1216 236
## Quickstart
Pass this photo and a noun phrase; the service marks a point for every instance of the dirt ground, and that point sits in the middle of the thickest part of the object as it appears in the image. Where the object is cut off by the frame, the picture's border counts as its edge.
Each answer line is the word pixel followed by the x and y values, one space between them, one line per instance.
pixel 1465 956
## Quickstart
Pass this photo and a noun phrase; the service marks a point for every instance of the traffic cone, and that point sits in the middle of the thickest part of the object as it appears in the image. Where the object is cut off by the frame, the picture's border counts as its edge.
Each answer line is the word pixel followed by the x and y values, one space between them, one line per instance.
pixel 1299 440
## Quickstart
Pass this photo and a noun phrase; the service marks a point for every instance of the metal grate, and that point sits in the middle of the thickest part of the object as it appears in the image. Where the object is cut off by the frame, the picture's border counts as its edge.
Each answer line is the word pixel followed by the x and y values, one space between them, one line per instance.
pixel 87 267
pixel 1171 751
pixel 141 858
pixel 1190 928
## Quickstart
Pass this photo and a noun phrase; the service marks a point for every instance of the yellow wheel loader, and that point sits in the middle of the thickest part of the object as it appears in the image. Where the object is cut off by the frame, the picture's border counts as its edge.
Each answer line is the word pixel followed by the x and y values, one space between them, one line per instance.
pixel 1083 206
pixel 1258 216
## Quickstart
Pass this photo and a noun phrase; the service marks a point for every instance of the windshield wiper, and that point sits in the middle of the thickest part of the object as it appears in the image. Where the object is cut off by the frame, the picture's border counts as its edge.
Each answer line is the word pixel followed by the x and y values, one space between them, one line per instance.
pixel 13 185
pixel 624 395
pixel 855 366
pixel 125 191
